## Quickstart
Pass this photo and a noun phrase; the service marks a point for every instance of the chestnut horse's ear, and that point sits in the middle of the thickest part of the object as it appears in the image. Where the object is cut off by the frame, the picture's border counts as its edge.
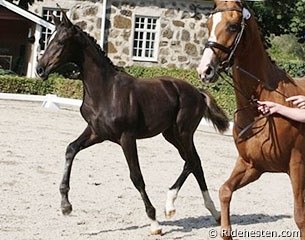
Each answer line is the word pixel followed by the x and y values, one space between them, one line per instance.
pixel 66 20
pixel 56 20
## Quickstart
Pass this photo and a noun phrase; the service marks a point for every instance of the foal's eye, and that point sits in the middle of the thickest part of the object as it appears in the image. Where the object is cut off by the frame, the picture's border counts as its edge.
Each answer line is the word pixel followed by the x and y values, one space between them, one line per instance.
pixel 234 27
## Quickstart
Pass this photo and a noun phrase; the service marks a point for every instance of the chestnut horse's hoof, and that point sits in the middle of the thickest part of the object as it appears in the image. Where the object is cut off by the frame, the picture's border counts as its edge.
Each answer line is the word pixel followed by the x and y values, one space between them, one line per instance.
pixel 66 209
pixel 170 214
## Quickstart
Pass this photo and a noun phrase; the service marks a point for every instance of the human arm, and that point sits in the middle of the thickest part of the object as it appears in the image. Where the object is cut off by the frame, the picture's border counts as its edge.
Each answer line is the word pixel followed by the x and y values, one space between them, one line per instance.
pixel 298 100
pixel 296 114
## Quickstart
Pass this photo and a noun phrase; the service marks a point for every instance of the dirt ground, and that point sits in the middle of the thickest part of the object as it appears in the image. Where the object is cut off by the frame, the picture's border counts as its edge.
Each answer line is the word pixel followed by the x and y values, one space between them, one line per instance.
pixel 106 204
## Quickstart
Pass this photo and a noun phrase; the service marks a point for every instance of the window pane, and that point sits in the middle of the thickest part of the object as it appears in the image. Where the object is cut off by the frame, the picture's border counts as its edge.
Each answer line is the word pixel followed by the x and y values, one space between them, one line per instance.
pixel 47 14
pixel 144 36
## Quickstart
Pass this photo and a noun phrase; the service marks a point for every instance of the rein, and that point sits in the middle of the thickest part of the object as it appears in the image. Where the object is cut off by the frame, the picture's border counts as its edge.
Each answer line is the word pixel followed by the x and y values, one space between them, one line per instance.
pixel 225 66
pixel 253 101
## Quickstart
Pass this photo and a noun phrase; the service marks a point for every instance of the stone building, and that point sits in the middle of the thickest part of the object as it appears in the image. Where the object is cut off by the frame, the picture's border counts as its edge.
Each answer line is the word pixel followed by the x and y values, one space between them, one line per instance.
pixel 133 32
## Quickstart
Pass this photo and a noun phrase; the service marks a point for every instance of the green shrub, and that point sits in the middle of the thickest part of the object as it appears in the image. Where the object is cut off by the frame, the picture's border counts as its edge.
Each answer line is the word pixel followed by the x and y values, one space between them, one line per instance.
pixel 221 90
pixel 287 48
pixel 294 68
pixel 15 84
pixel 54 85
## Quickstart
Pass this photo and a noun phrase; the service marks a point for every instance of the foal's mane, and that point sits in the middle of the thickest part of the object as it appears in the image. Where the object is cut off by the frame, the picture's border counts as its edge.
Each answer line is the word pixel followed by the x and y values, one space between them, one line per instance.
pixel 92 41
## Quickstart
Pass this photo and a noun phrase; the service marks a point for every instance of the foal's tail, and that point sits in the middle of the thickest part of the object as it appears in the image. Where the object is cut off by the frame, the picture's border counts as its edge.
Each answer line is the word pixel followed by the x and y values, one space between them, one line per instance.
pixel 215 114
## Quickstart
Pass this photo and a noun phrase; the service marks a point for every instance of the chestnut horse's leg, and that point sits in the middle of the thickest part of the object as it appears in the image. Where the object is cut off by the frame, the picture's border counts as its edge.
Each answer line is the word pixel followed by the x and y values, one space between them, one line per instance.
pixel 186 148
pixel 242 174
pixel 129 146
pixel 297 177
pixel 86 139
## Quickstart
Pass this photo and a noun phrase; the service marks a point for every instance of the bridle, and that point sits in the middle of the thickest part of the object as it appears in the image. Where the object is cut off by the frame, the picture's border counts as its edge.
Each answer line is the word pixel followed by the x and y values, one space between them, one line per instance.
pixel 227 63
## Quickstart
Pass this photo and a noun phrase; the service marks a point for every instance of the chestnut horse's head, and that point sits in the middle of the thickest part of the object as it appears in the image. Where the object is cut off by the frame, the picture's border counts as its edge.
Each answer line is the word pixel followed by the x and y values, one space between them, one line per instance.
pixel 226 26
pixel 61 48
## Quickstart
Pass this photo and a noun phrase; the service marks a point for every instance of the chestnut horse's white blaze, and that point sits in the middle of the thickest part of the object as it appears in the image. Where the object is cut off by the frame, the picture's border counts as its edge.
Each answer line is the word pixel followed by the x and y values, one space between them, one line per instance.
pixel 208 52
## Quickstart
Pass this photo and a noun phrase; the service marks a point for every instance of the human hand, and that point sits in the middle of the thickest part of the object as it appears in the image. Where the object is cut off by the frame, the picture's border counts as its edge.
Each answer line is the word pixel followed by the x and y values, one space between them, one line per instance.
pixel 267 107
pixel 298 100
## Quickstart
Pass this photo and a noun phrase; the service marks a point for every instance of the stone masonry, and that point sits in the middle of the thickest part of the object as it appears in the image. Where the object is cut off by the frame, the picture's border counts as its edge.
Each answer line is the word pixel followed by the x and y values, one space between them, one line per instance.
pixel 182 27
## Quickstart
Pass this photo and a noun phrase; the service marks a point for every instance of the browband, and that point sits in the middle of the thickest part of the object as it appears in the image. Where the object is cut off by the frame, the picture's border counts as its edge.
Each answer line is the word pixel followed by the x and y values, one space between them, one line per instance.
pixel 226 9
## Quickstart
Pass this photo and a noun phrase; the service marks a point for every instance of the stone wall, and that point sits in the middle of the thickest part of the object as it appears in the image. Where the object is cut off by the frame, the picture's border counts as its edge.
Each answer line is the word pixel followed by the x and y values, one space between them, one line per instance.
pixel 86 14
pixel 182 35
pixel 182 27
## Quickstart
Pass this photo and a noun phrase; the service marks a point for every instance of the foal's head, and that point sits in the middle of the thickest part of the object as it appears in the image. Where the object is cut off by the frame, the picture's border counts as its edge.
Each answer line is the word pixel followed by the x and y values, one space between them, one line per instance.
pixel 226 27
pixel 63 48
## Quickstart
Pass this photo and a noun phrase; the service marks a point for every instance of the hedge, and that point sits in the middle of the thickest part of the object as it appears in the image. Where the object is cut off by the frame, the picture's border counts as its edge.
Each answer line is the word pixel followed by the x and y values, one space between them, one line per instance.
pixel 56 84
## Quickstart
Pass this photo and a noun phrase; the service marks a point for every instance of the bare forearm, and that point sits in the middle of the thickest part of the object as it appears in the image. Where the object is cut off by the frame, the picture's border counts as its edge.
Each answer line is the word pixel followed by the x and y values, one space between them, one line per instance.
pixel 292 113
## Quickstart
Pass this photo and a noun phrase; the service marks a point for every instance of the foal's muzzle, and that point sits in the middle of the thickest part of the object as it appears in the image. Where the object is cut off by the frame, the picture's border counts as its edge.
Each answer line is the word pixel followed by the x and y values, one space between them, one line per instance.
pixel 41 72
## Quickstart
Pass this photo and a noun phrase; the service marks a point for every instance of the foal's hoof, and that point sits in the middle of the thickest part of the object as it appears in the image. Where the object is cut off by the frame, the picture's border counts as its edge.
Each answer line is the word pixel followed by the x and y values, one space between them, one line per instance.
pixel 156 231
pixel 218 220
pixel 66 209
pixel 170 214
pixel 155 228
pixel 217 217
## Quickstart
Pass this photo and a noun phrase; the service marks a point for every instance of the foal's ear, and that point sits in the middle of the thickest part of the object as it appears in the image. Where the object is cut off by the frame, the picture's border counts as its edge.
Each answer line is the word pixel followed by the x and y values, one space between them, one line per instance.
pixel 56 20
pixel 66 20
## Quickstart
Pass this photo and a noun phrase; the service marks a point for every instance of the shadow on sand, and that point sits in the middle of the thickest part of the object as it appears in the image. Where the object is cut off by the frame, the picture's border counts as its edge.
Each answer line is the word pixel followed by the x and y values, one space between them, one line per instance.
pixel 187 224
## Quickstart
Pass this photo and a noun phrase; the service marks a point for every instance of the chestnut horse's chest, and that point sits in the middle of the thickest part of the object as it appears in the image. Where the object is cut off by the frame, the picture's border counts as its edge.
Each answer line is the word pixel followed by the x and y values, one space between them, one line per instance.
pixel 269 145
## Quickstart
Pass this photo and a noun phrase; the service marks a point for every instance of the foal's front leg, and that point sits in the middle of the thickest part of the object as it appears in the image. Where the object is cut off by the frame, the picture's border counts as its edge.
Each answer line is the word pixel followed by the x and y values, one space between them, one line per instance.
pixel 86 139
pixel 128 144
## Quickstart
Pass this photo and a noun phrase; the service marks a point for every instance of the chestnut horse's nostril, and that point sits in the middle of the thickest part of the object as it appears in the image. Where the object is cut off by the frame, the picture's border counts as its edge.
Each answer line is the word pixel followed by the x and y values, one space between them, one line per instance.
pixel 40 71
pixel 210 74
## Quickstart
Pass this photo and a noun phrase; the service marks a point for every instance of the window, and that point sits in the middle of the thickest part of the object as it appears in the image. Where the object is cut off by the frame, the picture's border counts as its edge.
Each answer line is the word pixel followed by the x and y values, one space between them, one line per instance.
pixel 6 62
pixel 46 33
pixel 145 41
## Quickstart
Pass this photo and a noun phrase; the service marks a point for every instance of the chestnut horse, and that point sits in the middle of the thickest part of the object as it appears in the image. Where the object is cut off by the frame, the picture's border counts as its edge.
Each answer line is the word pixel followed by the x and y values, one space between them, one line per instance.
pixel 265 143
pixel 121 109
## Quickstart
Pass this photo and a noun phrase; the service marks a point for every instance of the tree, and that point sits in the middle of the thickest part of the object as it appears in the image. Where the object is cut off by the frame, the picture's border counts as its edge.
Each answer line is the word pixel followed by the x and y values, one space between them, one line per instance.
pixel 297 24
pixel 280 17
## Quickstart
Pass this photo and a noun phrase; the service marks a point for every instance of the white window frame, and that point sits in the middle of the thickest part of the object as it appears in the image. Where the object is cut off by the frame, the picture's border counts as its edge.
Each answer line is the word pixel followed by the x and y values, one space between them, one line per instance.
pixel 145 30
pixel 45 32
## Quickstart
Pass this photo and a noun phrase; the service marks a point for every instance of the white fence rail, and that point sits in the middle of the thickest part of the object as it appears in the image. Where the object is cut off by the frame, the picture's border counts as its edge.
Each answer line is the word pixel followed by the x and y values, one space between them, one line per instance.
pixel 50 101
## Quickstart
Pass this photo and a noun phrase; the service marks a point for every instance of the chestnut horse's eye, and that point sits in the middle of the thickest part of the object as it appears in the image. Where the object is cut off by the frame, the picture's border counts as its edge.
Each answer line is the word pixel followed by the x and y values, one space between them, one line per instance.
pixel 234 28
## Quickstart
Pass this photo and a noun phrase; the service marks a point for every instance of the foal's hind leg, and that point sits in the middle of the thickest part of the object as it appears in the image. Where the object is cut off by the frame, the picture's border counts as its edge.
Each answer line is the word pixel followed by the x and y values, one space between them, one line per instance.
pixel 128 144
pixel 196 168
pixel 187 150
pixel 297 176
pixel 172 194
pixel 86 139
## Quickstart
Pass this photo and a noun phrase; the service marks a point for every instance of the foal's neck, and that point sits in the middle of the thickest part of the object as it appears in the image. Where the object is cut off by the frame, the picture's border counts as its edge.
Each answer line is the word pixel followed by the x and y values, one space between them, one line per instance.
pixel 97 72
